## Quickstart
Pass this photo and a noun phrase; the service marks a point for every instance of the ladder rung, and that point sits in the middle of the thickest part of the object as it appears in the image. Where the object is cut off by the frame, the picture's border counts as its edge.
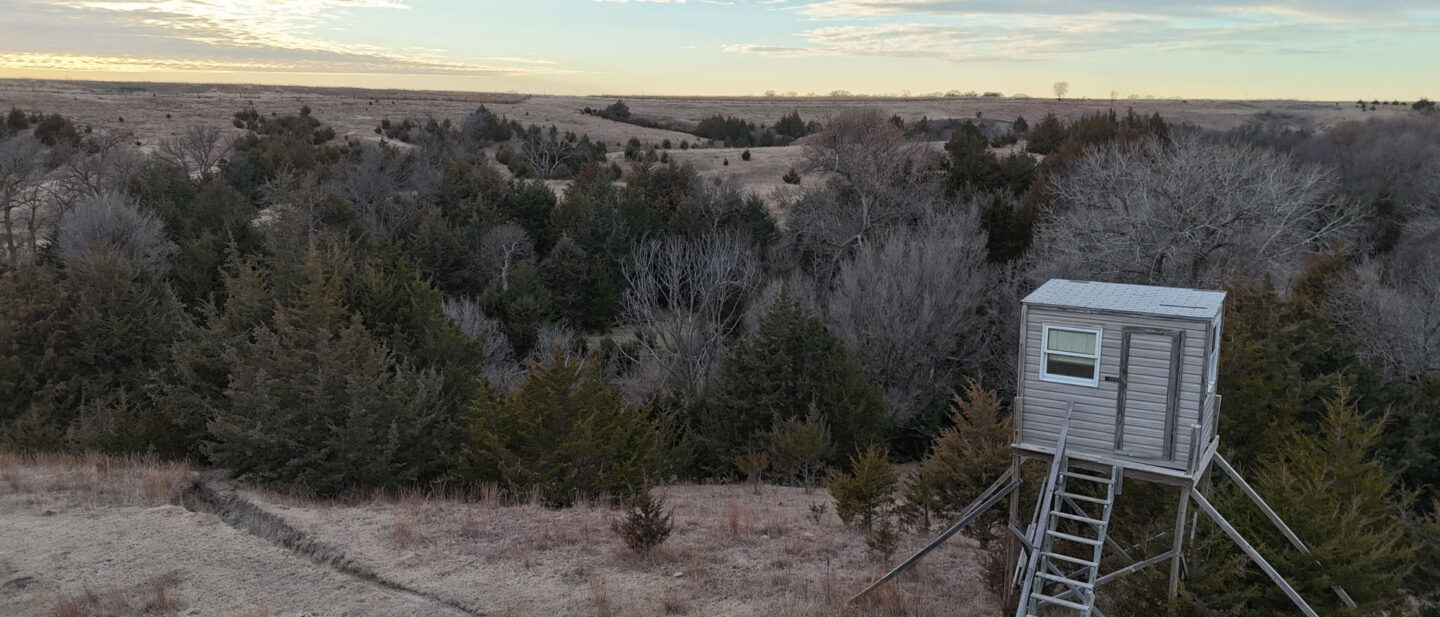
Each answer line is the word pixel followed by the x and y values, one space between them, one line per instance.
pixel 1075 560
pixel 1087 477
pixel 1066 603
pixel 1083 497
pixel 1077 517
pixel 1066 536
pixel 1064 581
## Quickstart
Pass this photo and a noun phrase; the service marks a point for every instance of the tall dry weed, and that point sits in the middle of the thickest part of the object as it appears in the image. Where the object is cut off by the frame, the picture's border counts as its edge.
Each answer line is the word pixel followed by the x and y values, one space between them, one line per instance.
pixel 600 596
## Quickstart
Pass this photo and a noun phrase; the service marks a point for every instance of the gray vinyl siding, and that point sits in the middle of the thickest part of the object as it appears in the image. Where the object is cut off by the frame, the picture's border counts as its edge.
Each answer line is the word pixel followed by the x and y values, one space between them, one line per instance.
pixel 1093 425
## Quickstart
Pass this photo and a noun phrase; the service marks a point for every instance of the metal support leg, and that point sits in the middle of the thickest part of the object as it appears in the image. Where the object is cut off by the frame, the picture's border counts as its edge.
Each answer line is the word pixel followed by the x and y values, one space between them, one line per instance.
pixel 1012 545
pixel 1178 541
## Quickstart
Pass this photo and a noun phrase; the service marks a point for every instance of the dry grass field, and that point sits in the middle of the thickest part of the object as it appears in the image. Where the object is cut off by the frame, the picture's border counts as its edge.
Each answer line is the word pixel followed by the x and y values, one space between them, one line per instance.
pixel 91 536
pixel 152 112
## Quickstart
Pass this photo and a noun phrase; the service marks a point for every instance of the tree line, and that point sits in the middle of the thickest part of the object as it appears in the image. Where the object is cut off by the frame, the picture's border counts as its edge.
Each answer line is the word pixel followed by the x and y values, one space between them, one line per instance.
pixel 335 316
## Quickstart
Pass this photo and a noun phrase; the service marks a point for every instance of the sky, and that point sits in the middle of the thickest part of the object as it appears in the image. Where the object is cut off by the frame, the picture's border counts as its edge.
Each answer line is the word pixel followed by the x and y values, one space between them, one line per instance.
pixel 1237 49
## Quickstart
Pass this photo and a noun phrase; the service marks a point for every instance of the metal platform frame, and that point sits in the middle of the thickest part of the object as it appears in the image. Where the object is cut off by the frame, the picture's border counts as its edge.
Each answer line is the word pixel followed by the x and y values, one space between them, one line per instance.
pixel 1194 486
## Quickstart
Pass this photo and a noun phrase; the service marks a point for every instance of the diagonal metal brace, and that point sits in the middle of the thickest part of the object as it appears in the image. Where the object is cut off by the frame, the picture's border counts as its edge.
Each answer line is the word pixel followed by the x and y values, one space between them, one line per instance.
pixel 992 495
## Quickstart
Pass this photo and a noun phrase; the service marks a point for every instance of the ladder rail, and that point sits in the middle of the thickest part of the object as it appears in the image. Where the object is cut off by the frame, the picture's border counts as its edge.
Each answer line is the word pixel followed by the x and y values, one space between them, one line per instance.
pixel 1047 493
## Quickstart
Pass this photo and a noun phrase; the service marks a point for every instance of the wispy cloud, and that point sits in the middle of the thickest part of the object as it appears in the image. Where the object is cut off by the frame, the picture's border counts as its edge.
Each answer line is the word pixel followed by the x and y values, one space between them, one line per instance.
pixel 1313 9
pixel 228 35
pixel 1034 30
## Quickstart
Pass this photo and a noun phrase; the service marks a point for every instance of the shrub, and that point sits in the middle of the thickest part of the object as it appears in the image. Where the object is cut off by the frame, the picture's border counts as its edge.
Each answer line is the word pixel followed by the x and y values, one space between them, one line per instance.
pixel 563 433
pixel 867 493
pixel 745 156
pixel 1045 137
pixel 1020 125
pixel 753 464
pixel 111 224
pixel 798 448
pixel 1423 105
pixel 791 177
pixel 16 121
pixel 647 524
pixel 883 539
pixel 616 111
pixel 55 129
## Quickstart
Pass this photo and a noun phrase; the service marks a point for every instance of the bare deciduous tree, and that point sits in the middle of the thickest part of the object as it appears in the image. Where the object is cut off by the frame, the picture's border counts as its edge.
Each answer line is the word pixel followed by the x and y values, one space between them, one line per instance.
pixel 112 224
pixel 1188 212
pixel 904 304
pixel 1061 89
pixel 500 369
pixel 20 173
pixel 548 150
pixel 551 338
pixel 101 163
pixel 501 249
pixel 876 180
pixel 686 297
pixel 1393 308
pixel 196 150
pixel 387 188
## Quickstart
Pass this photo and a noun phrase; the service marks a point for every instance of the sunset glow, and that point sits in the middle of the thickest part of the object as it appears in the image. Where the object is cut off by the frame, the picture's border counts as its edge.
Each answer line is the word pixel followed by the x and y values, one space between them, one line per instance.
pixel 1316 50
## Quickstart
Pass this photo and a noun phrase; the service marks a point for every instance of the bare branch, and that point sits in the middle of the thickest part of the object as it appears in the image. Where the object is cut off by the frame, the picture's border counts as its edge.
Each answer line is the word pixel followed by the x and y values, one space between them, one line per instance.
pixel 687 297
pixel 1189 212
pixel 906 303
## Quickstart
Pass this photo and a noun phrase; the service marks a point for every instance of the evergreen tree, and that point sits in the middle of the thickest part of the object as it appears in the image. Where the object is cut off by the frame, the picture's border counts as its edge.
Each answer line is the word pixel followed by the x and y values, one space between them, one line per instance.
pixel 792 126
pixel 404 312
pixel 790 365
pixel 1342 503
pixel 531 204
pixel 564 433
pixel 583 295
pixel 799 448
pixel 964 458
pixel 207 228
pixel 76 348
pixel 1279 359
pixel 1338 499
pixel 972 167
pixel 1046 136
pixel 313 400
pixel 16 121
pixel 867 493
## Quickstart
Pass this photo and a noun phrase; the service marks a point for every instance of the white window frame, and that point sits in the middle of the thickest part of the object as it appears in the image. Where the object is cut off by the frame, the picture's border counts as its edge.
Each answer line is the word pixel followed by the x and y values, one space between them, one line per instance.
pixel 1212 361
pixel 1066 379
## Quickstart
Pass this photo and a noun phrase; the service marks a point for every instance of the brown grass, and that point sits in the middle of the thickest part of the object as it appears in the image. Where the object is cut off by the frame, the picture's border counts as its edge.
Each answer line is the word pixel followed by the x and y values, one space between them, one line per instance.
pixel 402 531
pixel 732 553
pixel 96 479
pixel 600 596
pixel 671 603
pixel 151 597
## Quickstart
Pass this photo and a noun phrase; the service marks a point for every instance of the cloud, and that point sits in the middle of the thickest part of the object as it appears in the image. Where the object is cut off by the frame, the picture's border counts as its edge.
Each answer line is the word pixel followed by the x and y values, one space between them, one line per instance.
pixel 1336 10
pixel 223 35
pixel 1037 30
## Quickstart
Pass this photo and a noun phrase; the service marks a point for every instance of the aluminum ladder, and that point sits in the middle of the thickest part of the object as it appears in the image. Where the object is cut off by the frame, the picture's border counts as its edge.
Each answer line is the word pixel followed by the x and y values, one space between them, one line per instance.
pixel 1067 537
